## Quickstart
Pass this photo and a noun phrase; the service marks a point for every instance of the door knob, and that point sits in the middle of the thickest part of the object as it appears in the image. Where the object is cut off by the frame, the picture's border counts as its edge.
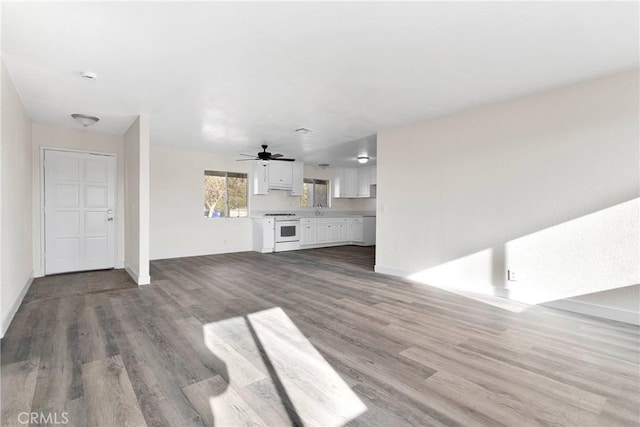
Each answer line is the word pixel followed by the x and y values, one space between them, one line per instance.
pixel 110 215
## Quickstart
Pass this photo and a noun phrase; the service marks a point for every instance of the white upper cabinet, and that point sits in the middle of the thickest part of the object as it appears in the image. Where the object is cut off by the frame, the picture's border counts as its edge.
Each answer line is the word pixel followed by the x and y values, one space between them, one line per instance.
pixel 364 182
pixel 277 176
pixel 298 178
pixel 259 178
pixel 352 182
pixel 280 175
pixel 345 182
pixel 336 183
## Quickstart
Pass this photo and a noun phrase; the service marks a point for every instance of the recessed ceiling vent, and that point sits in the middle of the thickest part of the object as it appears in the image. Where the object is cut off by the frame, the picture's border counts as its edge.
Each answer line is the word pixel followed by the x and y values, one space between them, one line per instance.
pixel 304 131
pixel 88 75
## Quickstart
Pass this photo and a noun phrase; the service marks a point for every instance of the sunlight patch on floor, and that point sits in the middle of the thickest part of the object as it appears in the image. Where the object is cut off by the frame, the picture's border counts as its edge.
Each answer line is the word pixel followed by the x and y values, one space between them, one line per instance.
pixel 276 376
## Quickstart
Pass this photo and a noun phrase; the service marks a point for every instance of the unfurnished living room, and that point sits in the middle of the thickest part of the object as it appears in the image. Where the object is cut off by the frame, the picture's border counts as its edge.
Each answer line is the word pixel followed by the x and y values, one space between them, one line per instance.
pixel 320 213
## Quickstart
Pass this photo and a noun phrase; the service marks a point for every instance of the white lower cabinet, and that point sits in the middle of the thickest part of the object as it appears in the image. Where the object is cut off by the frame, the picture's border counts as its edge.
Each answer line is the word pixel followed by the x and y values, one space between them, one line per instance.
pixel 319 232
pixel 308 232
pixel 369 223
pixel 345 231
pixel 328 233
pixel 334 233
pixel 263 234
pixel 357 230
pixel 329 230
pixel 322 233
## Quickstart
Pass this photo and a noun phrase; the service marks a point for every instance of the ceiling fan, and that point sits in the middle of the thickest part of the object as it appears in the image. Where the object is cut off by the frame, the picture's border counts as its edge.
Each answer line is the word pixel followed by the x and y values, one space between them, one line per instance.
pixel 264 156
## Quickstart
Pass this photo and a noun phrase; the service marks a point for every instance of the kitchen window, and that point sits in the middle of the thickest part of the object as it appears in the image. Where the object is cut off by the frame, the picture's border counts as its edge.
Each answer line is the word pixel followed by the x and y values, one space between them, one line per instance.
pixel 225 194
pixel 315 193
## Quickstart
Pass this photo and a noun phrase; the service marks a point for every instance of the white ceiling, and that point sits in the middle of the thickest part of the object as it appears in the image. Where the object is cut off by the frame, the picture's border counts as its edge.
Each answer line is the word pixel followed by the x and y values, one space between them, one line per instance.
pixel 228 76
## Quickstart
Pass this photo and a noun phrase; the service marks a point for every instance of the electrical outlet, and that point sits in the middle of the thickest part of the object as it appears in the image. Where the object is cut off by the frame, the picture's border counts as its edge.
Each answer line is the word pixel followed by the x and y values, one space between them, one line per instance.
pixel 511 275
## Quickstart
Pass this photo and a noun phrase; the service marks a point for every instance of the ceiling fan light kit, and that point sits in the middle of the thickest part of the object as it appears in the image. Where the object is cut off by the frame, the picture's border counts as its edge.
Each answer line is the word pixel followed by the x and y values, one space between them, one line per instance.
pixel 363 159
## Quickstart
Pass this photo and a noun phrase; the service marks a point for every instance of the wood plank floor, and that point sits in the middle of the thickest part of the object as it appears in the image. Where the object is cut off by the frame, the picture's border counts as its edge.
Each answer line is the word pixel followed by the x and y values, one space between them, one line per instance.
pixel 309 337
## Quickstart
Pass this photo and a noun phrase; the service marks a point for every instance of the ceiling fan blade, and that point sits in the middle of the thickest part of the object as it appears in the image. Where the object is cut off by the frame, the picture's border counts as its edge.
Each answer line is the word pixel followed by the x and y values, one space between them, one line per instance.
pixel 244 160
pixel 266 156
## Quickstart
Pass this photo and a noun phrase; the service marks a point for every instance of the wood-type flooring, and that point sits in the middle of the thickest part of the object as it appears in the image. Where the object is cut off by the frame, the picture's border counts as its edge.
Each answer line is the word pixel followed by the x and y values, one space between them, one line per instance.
pixel 311 337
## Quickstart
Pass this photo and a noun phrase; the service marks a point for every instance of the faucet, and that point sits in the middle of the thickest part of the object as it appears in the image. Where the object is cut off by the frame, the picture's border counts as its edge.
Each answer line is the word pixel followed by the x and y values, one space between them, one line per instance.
pixel 319 209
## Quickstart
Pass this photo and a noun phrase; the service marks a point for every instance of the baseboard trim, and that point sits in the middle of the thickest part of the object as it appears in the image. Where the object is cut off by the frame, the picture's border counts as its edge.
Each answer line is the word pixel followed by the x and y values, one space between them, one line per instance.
pixel 140 280
pixel 16 305
pixel 197 253
pixel 38 273
pixel 391 271
pixel 575 306
pixel 596 310
pixel 132 273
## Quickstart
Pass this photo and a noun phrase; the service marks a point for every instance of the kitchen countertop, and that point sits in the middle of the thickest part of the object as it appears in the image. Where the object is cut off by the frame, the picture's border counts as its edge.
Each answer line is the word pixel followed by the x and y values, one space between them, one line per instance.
pixel 325 214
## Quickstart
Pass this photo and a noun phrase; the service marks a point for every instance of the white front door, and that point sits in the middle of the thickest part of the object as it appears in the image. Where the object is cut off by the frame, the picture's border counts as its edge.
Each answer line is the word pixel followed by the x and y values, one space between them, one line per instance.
pixel 79 206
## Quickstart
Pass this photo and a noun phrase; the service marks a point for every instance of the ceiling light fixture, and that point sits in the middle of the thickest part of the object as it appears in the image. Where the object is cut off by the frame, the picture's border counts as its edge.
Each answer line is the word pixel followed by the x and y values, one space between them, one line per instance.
pixel 323 165
pixel 85 120
pixel 363 159
pixel 304 131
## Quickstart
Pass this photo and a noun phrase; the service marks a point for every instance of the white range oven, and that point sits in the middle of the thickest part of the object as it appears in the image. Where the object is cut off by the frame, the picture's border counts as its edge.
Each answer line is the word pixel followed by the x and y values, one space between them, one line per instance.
pixel 287 232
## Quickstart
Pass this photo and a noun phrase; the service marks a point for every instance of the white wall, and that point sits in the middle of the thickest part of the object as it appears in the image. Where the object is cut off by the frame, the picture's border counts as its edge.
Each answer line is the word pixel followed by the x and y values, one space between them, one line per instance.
pixel 2 310
pixel 81 140
pixel 144 199
pixel 178 225
pixel 623 298
pixel 3 326
pixel 472 194
pixel 16 271
pixel 136 198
